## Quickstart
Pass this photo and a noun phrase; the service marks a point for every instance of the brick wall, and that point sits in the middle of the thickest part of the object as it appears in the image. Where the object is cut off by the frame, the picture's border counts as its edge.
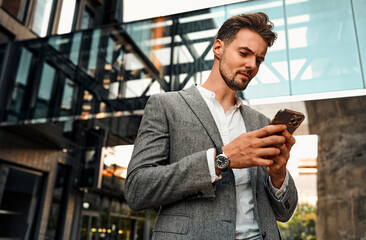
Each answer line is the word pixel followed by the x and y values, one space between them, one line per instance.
pixel 29 153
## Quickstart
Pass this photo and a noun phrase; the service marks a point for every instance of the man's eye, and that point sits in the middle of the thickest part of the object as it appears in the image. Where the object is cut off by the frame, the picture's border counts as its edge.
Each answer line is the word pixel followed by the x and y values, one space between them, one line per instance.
pixel 243 54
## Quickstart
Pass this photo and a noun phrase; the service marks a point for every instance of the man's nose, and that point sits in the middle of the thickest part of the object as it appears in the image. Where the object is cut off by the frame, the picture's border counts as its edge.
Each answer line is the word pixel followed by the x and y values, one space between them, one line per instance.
pixel 251 63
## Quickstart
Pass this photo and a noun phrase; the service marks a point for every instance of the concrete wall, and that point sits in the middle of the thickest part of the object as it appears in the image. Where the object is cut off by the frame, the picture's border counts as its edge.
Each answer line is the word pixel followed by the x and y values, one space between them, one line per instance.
pixel 341 127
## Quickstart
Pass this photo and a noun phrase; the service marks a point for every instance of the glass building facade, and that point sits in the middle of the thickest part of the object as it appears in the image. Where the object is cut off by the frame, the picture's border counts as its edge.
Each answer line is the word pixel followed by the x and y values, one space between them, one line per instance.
pixel 319 49
pixel 106 73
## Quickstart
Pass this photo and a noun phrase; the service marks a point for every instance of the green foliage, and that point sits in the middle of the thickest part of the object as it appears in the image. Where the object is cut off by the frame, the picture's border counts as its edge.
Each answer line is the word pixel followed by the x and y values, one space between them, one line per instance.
pixel 301 226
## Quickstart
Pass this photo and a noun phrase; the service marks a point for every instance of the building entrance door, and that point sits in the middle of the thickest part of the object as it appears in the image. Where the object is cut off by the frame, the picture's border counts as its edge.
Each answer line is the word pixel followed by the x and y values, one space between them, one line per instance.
pixel 89 227
pixel 20 196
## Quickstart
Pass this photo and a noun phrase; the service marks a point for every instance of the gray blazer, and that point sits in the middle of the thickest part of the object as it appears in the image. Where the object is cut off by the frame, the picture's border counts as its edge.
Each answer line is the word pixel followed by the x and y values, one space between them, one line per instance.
pixel 169 170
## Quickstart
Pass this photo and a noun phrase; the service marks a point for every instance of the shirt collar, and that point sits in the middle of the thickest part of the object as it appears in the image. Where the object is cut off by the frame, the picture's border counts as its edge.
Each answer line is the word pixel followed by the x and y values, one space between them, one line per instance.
pixel 211 95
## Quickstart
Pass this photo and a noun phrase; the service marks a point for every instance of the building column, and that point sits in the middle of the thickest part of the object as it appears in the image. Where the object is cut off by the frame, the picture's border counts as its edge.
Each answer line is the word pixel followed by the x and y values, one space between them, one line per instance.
pixel 341 127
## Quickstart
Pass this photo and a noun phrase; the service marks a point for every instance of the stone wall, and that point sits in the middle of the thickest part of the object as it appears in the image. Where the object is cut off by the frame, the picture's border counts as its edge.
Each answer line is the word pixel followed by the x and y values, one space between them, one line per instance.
pixel 341 127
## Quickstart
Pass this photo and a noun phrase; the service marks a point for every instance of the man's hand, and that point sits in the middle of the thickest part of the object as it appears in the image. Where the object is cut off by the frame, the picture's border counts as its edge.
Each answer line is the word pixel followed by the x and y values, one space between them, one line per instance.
pixel 277 170
pixel 256 148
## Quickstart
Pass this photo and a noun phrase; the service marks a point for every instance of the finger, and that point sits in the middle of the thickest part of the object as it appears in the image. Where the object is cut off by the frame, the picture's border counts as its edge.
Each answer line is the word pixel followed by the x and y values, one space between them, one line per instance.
pixel 272 140
pixel 263 162
pixel 269 130
pixel 282 147
pixel 290 140
pixel 269 151
pixel 280 159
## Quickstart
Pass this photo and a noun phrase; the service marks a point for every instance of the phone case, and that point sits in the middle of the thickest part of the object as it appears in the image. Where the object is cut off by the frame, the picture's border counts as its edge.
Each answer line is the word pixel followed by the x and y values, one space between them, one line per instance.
pixel 290 118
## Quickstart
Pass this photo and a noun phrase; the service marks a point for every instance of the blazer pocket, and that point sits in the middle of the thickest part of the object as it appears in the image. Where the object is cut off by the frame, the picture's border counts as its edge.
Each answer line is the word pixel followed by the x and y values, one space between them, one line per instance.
pixel 178 224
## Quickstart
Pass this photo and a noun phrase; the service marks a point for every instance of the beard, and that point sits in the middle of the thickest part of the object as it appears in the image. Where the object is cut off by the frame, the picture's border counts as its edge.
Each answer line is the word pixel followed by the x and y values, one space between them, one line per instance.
pixel 236 85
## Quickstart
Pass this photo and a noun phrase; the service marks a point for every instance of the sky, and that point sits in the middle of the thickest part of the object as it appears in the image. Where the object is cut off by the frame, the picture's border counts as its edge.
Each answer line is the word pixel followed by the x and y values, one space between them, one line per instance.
pixel 143 9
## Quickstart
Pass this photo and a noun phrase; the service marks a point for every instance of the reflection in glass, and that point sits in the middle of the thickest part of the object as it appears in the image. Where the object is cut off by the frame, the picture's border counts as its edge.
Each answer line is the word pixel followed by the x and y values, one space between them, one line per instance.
pixel 87 20
pixel 44 91
pixel 58 205
pixel 359 8
pixel 272 77
pixel 93 57
pixel 66 17
pixel 174 52
pixel 87 105
pixel 67 98
pixel 89 227
pixel 102 107
pixel 115 161
pixel 118 10
pixel 75 47
pixel 322 58
pixel 41 17
pixel 21 80
pixel 109 68
pixel 56 42
pixel 21 195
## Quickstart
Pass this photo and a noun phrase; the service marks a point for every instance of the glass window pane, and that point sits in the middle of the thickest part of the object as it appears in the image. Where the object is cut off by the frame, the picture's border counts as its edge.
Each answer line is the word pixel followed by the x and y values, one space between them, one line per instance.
pixel 41 17
pixel 44 91
pixel 87 107
pixel 118 11
pixel 93 53
pixel 87 20
pixel 21 80
pixel 360 18
pixel 20 192
pixel 125 229
pixel 66 17
pixel 58 205
pixel 322 49
pixel 24 66
pixel 75 47
pixel 67 98
pixel 112 67
pixel 272 77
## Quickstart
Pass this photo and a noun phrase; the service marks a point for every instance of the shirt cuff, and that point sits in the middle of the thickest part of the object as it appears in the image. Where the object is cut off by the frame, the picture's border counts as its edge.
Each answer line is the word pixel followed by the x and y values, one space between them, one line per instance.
pixel 210 154
pixel 279 192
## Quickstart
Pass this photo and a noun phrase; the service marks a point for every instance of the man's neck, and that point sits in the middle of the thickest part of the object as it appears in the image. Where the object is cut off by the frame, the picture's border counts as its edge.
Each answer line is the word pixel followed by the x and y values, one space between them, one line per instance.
pixel 223 94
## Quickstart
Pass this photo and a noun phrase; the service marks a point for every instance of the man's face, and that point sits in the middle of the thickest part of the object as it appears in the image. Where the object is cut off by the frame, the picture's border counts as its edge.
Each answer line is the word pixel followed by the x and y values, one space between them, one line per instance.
pixel 240 59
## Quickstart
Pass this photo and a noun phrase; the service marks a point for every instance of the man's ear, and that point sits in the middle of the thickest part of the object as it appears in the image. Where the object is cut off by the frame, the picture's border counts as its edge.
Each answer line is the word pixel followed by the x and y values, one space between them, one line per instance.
pixel 218 48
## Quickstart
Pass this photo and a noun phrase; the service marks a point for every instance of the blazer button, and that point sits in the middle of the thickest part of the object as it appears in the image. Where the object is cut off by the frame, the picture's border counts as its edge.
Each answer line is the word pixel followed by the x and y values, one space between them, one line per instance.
pixel 287 205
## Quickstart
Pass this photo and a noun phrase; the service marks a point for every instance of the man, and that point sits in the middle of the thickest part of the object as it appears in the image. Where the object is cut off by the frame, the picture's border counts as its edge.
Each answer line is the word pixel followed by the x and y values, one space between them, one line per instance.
pixel 214 166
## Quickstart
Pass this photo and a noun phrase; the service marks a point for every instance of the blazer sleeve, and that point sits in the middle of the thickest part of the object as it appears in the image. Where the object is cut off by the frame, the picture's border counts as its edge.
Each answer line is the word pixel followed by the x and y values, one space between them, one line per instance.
pixel 152 179
pixel 284 207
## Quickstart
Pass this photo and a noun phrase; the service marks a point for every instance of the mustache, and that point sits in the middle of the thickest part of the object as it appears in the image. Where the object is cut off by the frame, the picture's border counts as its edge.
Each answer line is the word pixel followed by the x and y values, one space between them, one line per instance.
pixel 245 71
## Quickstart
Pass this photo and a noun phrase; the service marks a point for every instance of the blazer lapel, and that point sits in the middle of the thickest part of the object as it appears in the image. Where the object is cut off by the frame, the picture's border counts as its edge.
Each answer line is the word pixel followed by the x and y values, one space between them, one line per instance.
pixel 248 119
pixel 200 109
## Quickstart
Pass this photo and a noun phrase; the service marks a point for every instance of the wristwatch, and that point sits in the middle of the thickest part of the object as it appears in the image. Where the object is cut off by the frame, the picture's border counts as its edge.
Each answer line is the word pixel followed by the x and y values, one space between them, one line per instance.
pixel 221 160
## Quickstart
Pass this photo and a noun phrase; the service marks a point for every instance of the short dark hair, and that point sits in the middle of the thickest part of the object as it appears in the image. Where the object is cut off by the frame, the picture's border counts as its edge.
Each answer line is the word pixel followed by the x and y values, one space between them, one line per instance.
pixel 257 22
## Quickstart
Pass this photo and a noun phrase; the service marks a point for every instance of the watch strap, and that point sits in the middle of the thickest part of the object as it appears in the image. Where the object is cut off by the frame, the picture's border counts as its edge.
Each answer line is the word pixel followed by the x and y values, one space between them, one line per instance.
pixel 218 151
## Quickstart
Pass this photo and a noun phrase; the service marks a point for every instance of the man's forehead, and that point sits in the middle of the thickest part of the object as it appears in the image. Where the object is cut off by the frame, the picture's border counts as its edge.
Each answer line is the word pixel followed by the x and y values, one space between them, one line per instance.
pixel 251 40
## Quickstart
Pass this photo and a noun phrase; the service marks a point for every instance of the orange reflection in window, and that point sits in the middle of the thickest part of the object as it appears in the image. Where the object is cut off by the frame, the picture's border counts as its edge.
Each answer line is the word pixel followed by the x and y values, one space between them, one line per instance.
pixel 120 172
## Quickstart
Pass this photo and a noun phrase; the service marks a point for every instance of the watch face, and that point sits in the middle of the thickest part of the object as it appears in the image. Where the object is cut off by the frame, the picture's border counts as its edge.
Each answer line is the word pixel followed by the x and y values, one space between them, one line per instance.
pixel 222 162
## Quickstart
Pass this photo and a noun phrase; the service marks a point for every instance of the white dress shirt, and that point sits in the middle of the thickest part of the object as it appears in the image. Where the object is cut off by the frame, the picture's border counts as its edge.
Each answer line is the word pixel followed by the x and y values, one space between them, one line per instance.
pixel 231 125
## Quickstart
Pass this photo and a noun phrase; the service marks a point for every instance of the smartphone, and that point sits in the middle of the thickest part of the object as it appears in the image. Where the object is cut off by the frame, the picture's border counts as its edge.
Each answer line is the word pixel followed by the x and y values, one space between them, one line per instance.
pixel 290 118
